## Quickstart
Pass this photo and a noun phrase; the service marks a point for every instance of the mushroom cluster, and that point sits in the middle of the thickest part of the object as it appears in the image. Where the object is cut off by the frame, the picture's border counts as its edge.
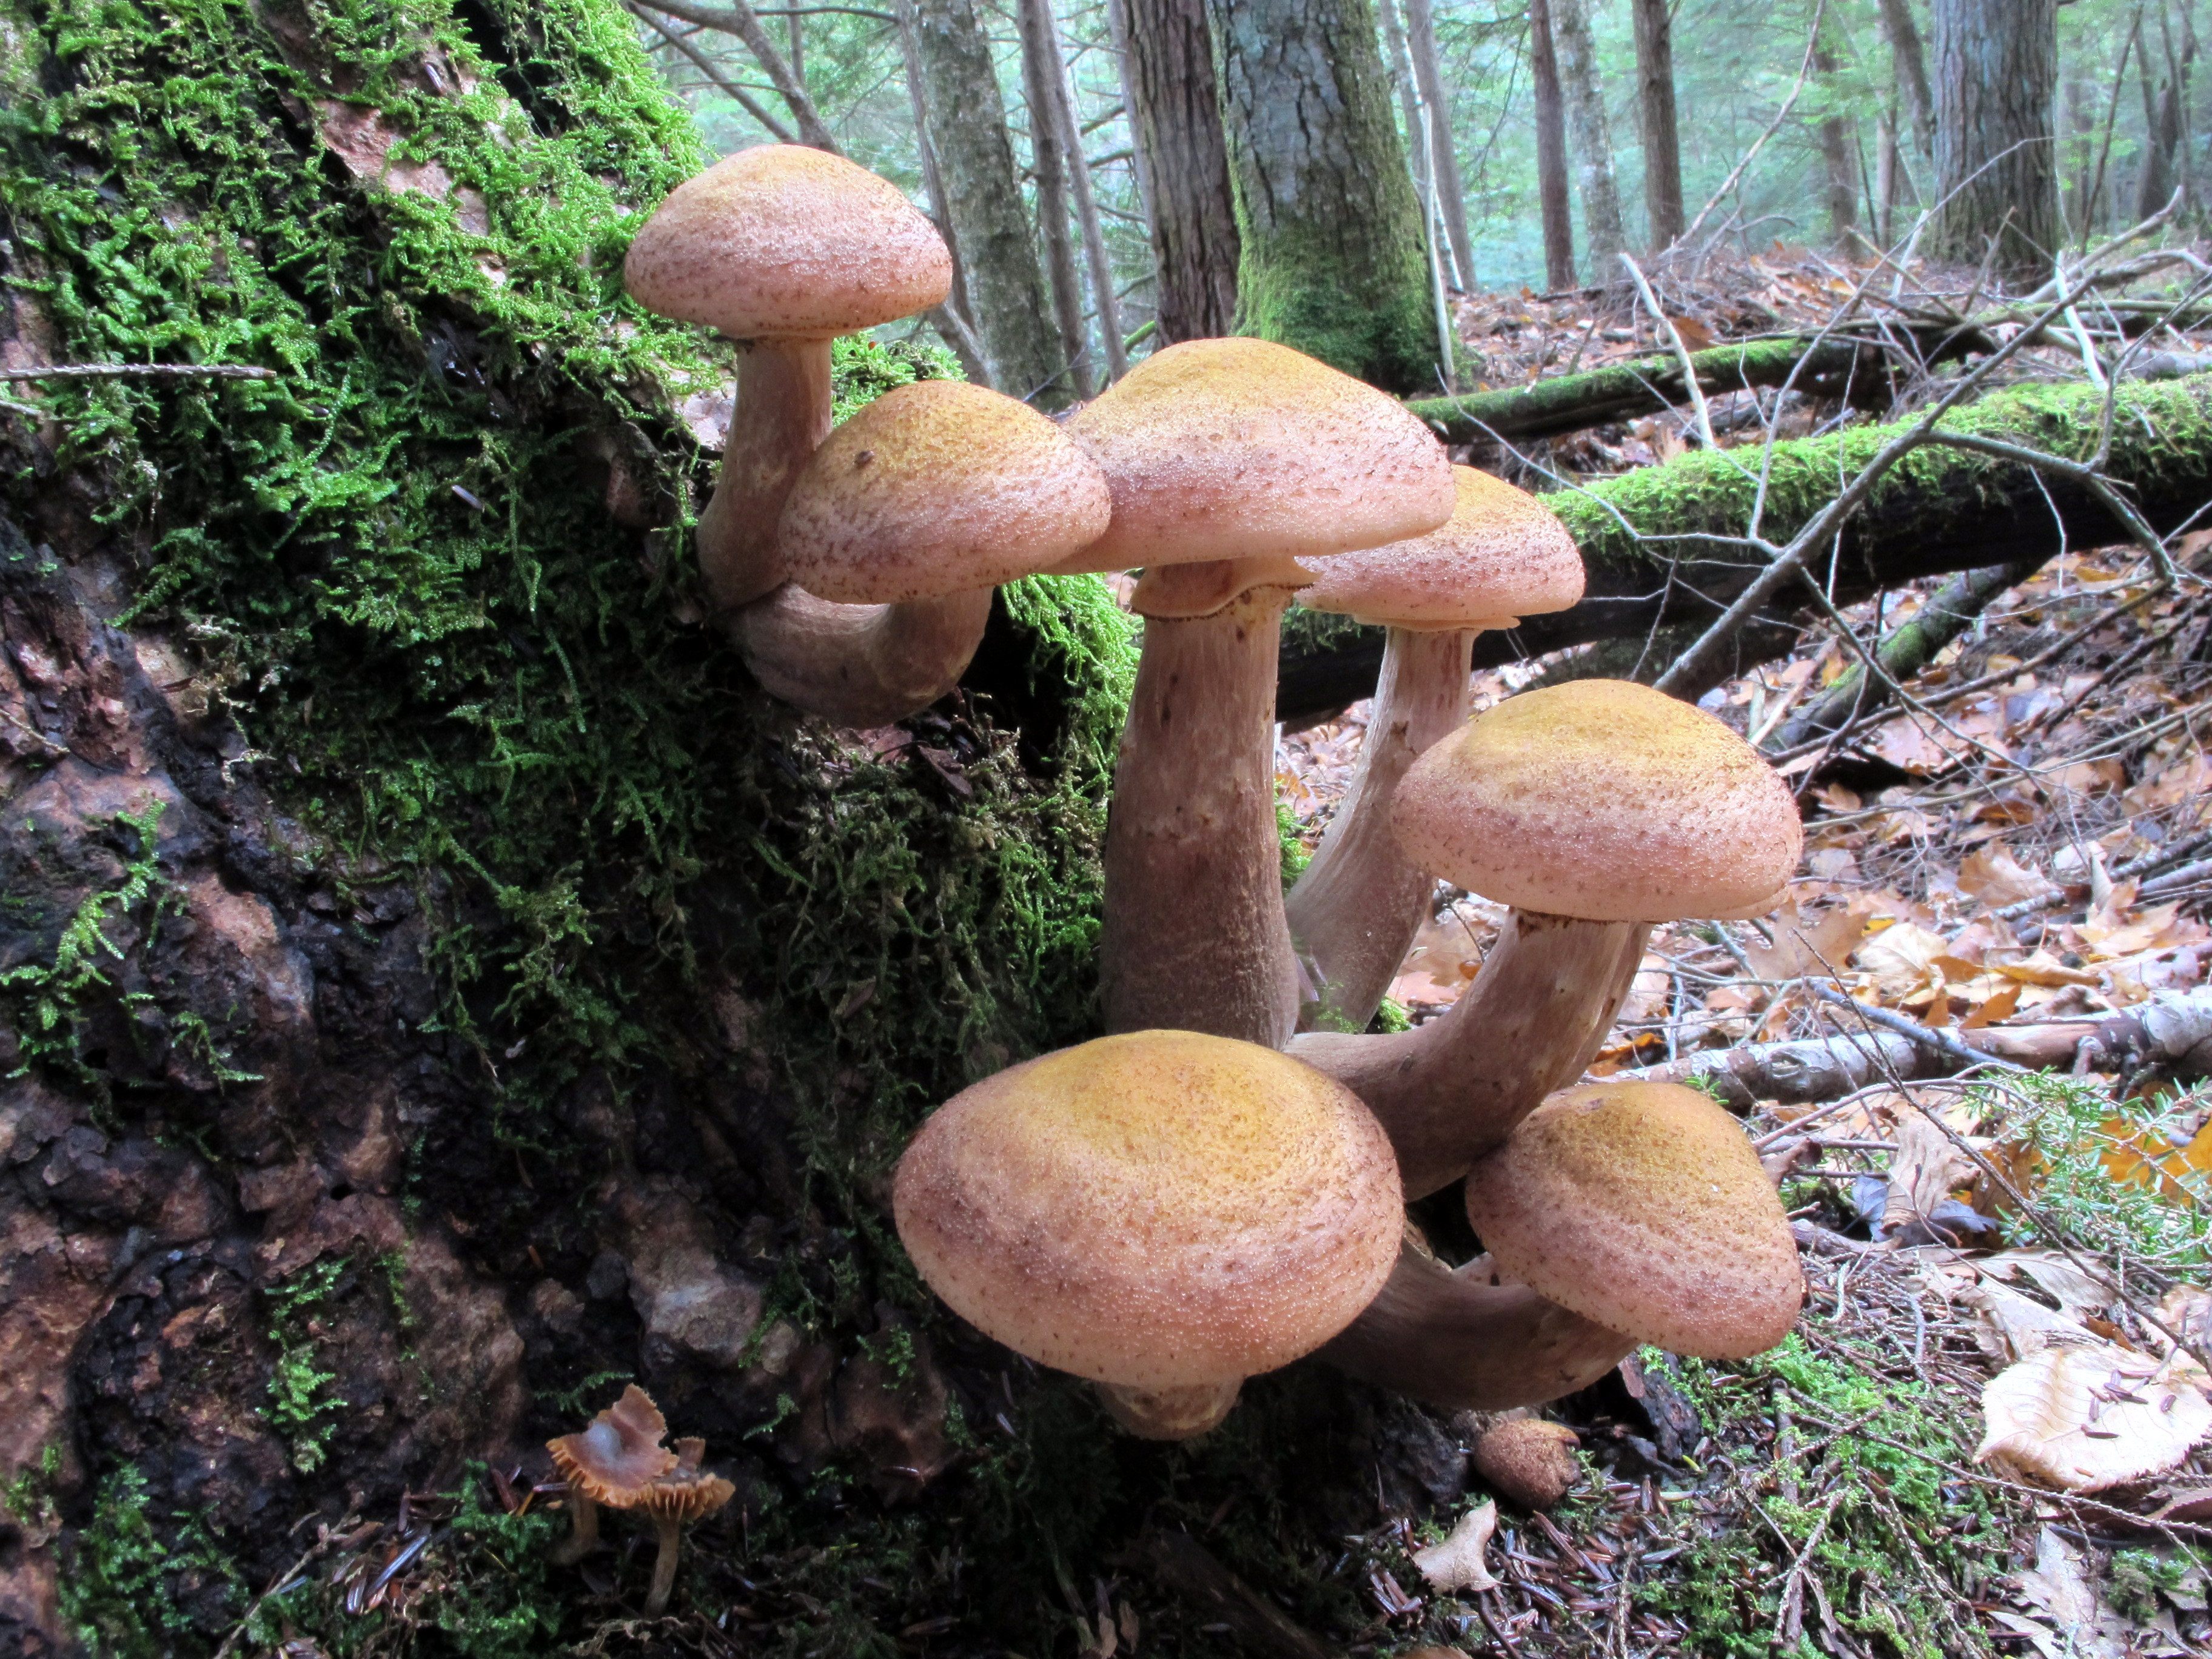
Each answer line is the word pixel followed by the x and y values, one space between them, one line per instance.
pixel 1217 1188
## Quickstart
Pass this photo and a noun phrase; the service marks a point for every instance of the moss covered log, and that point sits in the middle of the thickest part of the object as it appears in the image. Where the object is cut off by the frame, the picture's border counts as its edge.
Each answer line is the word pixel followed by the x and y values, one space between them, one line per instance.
pixel 1656 542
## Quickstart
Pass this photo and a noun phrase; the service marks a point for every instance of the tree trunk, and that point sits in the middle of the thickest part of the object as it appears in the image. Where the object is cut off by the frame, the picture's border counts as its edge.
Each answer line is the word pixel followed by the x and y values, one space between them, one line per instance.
pixel 1996 81
pixel 1409 97
pixel 1175 124
pixel 2164 118
pixel 1105 299
pixel 1042 83
pixel 1910 58
pixel 1838 151
pixel 959 332
pixel 983 199
pixel 1592 139
pixel 1655 104
pixel 1552 196
pixel 1334 260
pixel 1451 193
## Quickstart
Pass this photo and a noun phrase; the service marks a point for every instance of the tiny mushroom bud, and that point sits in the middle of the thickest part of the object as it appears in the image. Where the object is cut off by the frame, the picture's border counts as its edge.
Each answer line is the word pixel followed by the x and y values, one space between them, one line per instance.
pixel 686 1493
pixel 611 1463
pixel 1642 1205
pixel 1163 1212
pixel 1528 1459
pixel 1503 554
pixel 1595 808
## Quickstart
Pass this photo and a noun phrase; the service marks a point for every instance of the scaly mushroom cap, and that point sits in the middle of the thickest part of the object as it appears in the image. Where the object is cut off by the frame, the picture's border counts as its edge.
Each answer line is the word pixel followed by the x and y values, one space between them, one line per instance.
pixel 936 487
pixel 1243 449
pixel 1602 801
pixel 1642 1205
pixel 620 1456
pixel 1503 554
pixel 781 242
pixel 1529 1460
pixel 1158 1210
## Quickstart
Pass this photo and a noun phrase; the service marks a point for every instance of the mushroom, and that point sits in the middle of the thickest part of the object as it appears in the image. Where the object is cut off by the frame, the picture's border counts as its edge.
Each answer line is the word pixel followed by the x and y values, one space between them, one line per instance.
pixel 1595 808
pixel 1528 1459
pixel 782 248
pixel 1228 462
pixel 894 536
pixel 1643 1207
pixel 1503 554
pixel 611 1462
pixel 686 1493
pixel 1163 1212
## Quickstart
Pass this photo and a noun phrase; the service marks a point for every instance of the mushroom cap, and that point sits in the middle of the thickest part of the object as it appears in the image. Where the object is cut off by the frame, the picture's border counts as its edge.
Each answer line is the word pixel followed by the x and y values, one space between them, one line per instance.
pixel 1503 554
pixel 1158 1210
pixel 1236 449
pixel 939 486
pixel 1642 1205
pixel 615 1460
pixel 1530 1460
pixel 781 242
pixel 1603 801
pixel 687 1492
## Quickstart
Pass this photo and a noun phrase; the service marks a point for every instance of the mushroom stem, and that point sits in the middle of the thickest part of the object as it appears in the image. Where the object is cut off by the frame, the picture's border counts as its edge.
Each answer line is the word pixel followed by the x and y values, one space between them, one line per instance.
pixel 1354 912
pixel 1193 938
pixel 1449 1091
pixel 664 1565
pixel 782 416
pixel 1181 1414
pixel 859 665
pixel 585 1538
pixel 1464 1340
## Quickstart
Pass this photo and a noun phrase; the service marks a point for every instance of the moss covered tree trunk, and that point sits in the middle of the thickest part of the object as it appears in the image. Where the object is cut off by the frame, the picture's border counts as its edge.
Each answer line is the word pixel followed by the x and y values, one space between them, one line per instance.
pixel 1333 256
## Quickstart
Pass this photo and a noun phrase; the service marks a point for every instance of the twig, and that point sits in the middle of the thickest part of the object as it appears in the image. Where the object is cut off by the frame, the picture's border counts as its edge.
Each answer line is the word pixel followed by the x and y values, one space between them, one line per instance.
pixel 1674 338
pixel 142 372
pixel 708 67
pixel 1728 184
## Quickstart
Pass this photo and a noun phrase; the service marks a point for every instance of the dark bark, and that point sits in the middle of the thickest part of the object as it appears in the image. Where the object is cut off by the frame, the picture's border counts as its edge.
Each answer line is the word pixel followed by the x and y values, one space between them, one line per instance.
pixel 1593 139
pixel 983 200
pixel 1655 103
pixel 1175 120
pixel 955 319
pixel 1042 86
pixel 1997 85
pixel 1553 200
pixel 1943 511
pixel 1443 158
pixel 1838 150
pixel 2164 119
pixel 1332 258
pixel 1911 58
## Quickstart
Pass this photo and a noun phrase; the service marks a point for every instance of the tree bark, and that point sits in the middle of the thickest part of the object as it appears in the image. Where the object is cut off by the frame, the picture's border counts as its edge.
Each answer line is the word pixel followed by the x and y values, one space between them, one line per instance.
pixel 983 200
pixel 1175 124
pixel 1443 158
pixel 1839 152
pixel 1911 58
pixel 959 320
pixel 1105 301
pixel 1996 84
pixel 1332 258
pixel 1655 104
pixel 1042 86
pixel 1553 200
pixel 2165 116
pixel 1593 139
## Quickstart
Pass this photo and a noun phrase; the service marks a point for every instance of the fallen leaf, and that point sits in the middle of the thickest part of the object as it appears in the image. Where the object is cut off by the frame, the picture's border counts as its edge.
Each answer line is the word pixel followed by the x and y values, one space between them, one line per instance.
pixel 1810 941
pixel 2059 1587
pixel 2043 968
pixel 1899 958
pixel 1456 1564
pixel 2083 1419
pixel 1992 875
pixel 1923 1171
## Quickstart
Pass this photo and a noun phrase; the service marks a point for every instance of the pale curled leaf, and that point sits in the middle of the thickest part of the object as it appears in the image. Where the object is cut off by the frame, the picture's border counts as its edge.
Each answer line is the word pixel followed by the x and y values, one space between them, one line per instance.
pixel 2083 1419
pixel 1456 1564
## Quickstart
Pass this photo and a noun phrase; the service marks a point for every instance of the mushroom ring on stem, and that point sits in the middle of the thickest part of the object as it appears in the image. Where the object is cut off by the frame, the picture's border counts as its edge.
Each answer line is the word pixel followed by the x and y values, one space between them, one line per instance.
pixel 1228 462
pixel 1502 555
pixel 1595 808
pixel 895 535
pixel 1163 1212
pixel 782 248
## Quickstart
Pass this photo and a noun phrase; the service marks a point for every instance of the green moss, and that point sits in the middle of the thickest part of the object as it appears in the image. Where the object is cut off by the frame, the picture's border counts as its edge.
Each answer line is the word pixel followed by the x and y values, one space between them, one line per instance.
pixel 1373 318
pixel 301 1405
pixel 125 1584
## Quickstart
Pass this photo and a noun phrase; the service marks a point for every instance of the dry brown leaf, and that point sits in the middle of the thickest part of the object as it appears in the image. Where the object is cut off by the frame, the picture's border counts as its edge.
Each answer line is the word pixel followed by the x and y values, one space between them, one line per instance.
pixel 2083 1419
pixel 1456 1564
pixel 1997 878
pixel 1923 1171
pixel 2043 968
pixel 1810 941
pixel 1900 959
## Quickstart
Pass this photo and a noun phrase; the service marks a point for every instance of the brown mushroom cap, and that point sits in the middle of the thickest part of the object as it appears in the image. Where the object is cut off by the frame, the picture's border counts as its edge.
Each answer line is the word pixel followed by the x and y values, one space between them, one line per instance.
pixel 1602 801
pixel 787 243
pixel 620 1455
pixel 1642 1205
pixel 936 488
pixel 1243 449
pixel 1503 554
pixel 687 1492
pixel 1530 1460
pixel 1158 1210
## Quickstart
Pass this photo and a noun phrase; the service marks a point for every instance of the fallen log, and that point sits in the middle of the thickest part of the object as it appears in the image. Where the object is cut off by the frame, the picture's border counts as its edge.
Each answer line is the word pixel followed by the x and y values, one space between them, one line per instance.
pixel 1655 543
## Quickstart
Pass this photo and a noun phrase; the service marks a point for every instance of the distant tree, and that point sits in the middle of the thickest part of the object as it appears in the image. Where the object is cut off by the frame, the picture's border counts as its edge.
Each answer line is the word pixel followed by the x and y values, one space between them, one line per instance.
pixel 1550 151
pixel 1592 132
pixel 1996 83
pixel 1838 148
pixel 1451 193
pixel 1655 104
pixel 1911 60
pixel 1042 87
pixel 2165 115
pixel 1183 163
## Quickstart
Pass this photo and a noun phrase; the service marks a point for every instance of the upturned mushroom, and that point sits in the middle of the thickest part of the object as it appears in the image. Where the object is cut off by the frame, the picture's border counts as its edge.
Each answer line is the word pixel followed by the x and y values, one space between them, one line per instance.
pixel 894 536
pixel 780 248
pixel 685 1494
pixel 1163 1212
pixel 1503 554
pixel 1229 462
pixel 610 1463
pixel 1595 808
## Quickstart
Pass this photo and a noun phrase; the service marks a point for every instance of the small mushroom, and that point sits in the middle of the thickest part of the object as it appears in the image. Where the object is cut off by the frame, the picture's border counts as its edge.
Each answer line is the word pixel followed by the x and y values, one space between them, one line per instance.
pixel 1163 1212
pixel 1595 808
pixel 1503 554
pixel 686 1493
pixel 1528 1459
pixel 611 1462
pixel 1643 1206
